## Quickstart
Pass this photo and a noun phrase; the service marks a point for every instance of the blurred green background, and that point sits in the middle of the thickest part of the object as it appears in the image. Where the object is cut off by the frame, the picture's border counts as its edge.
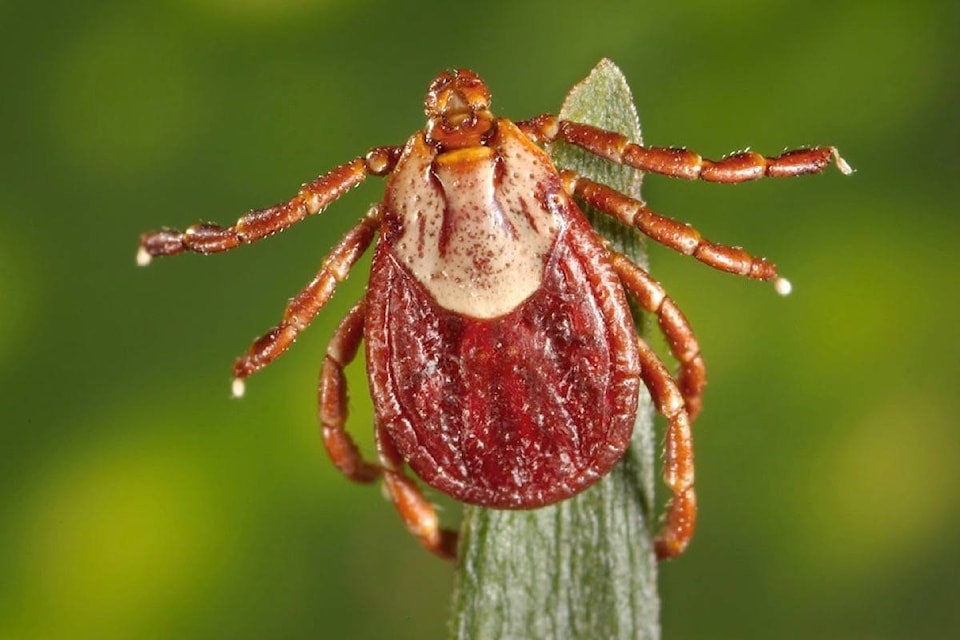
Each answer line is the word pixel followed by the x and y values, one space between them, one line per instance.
pixel 137 500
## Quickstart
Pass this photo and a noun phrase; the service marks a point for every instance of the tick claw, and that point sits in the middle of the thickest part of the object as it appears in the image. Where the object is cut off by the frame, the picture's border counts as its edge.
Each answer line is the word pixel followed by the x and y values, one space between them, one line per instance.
pixel 143 257
pixel 782 286
pixel 842 164
pixel 238 388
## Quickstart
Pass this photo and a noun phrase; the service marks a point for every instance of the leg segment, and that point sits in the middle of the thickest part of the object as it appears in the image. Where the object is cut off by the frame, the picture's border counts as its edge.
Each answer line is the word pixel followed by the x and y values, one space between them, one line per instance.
pixel 305 306
pixel 681 514
pixel 680 337
pixel 416 511
pixel 312 198
pixel 681 163
pixel 678 236
pixel 333 399
pixel 418 514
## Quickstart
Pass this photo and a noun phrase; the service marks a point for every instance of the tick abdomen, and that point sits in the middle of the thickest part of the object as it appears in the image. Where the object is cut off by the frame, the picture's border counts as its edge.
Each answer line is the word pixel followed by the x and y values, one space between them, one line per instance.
pixel 515 411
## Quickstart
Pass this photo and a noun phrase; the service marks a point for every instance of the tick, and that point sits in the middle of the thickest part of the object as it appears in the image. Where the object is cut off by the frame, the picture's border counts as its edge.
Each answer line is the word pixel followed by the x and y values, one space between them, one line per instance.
pixel 501 354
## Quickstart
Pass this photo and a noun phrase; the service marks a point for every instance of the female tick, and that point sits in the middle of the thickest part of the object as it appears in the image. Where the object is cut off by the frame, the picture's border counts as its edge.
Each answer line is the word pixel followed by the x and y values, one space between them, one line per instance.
pixel 501 353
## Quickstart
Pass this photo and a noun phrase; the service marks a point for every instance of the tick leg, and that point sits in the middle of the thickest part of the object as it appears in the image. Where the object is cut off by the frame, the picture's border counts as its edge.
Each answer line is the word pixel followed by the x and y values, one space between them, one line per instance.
pixel 333 399
pixel 301 311
pixel 312 198
pixel 667 231
pixel 681 163
pixel 674 325
pixel 416 511
pixel 681 514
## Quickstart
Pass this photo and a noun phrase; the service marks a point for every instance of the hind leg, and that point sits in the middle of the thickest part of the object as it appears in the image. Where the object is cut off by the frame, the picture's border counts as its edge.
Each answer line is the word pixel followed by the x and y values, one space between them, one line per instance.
pixel 678 332
pixel 681 514
pixel 332 394
pixel 416 511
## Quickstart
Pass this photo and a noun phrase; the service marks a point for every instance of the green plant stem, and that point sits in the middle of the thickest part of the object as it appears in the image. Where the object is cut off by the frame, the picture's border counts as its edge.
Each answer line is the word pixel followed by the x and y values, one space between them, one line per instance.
pixel 584 568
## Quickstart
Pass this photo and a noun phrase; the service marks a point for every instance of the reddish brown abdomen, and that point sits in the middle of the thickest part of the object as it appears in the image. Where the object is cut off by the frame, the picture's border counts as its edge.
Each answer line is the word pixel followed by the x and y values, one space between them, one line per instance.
pixel 516 411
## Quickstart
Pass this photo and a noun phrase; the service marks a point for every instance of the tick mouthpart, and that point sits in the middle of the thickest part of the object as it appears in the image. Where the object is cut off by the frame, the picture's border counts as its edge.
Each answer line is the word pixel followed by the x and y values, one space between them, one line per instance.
pixel 453 93
pixel 458 110
pixel 456 107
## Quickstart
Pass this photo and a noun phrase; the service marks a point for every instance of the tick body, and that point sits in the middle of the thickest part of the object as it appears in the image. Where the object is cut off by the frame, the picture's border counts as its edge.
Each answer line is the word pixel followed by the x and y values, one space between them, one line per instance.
pixel 501 352
pixel 495 317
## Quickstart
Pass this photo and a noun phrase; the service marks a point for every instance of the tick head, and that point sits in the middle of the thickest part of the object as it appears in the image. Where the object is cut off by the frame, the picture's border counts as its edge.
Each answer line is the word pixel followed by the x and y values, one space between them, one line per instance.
pixel 458 110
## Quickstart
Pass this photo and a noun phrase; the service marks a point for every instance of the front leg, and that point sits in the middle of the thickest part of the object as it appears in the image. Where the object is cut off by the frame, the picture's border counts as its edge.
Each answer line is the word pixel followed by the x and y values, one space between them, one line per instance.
pixel 255 225
pixel 682 163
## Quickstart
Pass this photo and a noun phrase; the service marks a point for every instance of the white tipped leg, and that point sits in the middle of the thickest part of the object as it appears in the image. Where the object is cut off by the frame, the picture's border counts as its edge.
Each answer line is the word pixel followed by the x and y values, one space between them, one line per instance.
pixel 238 388
pixel 143 257
pixel 842 164
pixel 782 286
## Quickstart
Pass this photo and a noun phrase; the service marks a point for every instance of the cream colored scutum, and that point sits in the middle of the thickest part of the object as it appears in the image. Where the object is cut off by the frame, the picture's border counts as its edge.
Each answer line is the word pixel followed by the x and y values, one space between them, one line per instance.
pixel 478 247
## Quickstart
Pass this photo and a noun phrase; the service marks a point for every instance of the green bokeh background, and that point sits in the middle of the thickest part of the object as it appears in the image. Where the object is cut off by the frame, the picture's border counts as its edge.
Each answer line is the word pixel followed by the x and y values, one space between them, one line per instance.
pixel 137 500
